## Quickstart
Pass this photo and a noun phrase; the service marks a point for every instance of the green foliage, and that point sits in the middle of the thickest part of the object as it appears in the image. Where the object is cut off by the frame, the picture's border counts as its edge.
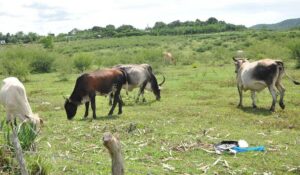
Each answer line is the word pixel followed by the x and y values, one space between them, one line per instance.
pixel 47 42
pixel 16 67
pixel 27 135
pixel 82 61
pixel 6 161
pixel 38 166
pixel 295 48
pixel 63 68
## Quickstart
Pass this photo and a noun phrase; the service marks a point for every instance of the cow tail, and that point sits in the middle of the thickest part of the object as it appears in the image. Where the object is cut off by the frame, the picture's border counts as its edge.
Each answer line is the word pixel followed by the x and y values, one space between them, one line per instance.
pixel 126 79
pixel 282 69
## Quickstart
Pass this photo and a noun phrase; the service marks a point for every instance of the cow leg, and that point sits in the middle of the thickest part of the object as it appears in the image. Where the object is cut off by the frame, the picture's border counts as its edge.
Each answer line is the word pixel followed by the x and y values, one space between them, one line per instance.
pixel 241 96
pixel 142 89
pixel 120 104
pixel 281 90
pixel 116 100
pixel 121 100
pixel 253 99
pixel 93 104
pixel 87 105
pixel 274 96
pixel 111 96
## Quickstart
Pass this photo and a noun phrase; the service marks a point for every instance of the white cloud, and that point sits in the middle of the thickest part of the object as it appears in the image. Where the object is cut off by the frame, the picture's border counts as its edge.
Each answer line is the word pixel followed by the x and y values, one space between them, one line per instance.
pixel 62 16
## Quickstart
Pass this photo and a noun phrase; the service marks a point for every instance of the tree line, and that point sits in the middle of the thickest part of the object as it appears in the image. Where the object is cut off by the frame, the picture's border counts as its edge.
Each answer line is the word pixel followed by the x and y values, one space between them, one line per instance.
pixel 211 25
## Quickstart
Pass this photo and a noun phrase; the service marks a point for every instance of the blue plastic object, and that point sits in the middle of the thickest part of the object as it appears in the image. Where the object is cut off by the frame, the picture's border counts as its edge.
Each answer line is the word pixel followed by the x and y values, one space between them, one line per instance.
pixel 256 148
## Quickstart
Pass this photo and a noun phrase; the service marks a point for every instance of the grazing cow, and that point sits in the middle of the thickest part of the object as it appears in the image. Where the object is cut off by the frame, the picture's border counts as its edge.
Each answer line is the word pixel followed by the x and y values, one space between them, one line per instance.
pixel 257 75
pixel 13 98
pixel 168 58
pixel 140 75
pixel 104 82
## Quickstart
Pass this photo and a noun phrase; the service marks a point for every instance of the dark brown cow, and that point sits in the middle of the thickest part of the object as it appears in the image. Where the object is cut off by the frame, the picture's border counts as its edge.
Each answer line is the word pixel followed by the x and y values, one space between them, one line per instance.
pixel 104 82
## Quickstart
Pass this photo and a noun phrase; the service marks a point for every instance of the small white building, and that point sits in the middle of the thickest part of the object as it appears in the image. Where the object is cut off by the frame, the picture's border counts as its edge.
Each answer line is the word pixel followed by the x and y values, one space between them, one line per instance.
pixel 2 42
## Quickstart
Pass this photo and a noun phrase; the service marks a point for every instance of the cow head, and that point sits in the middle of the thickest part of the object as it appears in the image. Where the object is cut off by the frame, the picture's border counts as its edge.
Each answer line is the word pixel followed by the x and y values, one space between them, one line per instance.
pixel 70 108
pixel 156 87
pixel 238 63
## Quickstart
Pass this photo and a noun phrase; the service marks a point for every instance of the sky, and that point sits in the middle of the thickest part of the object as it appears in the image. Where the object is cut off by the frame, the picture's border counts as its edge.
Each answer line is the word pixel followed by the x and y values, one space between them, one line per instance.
pixel 61 16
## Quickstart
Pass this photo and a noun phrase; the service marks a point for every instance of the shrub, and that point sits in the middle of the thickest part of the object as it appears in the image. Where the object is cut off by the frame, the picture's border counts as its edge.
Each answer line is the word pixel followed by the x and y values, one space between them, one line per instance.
pixel 16 67
pixel 47 42
pixel 295 48
pixel 42 64
pixel 82 61
pixel 27 135
pixel 64 68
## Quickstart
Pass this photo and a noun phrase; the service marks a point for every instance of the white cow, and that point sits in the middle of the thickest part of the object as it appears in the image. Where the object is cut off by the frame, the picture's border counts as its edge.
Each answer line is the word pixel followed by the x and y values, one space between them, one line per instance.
pixel 141 75
pixel 13 98
pixel 258 75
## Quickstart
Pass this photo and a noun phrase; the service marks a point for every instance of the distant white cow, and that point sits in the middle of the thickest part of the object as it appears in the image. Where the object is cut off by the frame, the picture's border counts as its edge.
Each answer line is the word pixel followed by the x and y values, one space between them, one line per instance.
pixel 13 98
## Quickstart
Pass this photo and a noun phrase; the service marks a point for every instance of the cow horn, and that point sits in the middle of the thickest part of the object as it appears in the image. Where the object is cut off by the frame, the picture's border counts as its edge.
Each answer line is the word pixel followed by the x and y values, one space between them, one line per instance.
pixel 162 81
pixel 65 98
pixel 234 59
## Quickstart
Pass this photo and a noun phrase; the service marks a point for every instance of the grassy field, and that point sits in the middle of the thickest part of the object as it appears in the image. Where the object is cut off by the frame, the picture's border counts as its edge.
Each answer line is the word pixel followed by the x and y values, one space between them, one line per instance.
pixel 197 110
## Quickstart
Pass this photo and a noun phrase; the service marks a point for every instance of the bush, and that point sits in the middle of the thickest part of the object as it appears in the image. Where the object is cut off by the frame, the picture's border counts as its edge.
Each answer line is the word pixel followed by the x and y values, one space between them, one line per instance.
pixel 295 48
pixel 42 64
pixel 27 134
pixel 64 68
pixel 47 42
pixel 82 61
pixel 16 67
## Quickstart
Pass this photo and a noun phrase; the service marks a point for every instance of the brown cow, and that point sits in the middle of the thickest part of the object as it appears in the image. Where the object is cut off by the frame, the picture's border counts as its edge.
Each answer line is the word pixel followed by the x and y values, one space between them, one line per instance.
pixel 168 58
pixel 104 82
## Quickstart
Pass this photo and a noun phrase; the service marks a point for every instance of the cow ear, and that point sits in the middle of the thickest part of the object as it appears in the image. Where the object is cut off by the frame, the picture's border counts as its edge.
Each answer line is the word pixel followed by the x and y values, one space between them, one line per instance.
pixel 234 59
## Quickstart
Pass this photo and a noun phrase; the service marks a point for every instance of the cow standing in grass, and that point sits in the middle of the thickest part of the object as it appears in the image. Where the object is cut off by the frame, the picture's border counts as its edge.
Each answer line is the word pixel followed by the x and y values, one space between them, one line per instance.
pixel 104 82
pixel 141 75
pixel 14 99
pixel 168 58
pixel 257 75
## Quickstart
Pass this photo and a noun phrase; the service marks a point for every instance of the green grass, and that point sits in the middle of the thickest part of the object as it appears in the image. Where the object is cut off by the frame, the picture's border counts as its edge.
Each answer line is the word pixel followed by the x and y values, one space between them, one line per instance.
pixel 198 97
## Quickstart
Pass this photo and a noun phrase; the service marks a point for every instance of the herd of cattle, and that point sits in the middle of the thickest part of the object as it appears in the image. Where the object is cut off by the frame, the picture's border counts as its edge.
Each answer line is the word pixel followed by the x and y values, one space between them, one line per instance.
pixel 253 76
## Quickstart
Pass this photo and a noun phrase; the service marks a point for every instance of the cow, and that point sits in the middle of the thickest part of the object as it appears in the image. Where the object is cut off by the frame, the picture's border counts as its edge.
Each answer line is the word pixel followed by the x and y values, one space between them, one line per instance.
pixel 141 75
pixel 256 76
pixel 104 82
pixel 14 99
pixel 168 58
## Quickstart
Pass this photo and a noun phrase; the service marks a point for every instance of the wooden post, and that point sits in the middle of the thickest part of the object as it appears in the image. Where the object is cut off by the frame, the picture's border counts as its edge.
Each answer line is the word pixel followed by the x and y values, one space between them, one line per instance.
pixel 114 147
pixel 18 151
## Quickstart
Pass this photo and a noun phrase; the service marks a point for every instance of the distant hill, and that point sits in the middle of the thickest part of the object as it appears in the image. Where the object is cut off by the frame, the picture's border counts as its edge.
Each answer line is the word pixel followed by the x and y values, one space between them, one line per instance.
pixel 286 24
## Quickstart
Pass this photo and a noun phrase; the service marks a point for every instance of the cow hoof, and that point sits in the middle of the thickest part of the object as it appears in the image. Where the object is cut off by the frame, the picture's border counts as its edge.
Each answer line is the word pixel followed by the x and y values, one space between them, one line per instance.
pixel 272 109
pixel 254 106
pixel 239 106
pixel 282 105
pixel 94 117
pixel 119 113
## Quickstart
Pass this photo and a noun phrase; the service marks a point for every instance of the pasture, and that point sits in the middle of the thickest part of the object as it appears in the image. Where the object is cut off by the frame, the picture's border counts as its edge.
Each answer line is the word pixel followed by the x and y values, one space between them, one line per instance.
pixel 197 109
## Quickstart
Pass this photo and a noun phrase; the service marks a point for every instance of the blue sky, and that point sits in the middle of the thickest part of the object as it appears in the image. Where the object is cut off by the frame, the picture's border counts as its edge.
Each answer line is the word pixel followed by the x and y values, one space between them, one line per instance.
pixel 57 16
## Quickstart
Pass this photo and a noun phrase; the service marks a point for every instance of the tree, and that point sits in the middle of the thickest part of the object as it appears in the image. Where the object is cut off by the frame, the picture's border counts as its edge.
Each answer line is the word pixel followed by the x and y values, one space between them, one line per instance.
pixel 159 25
pixel 212 20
